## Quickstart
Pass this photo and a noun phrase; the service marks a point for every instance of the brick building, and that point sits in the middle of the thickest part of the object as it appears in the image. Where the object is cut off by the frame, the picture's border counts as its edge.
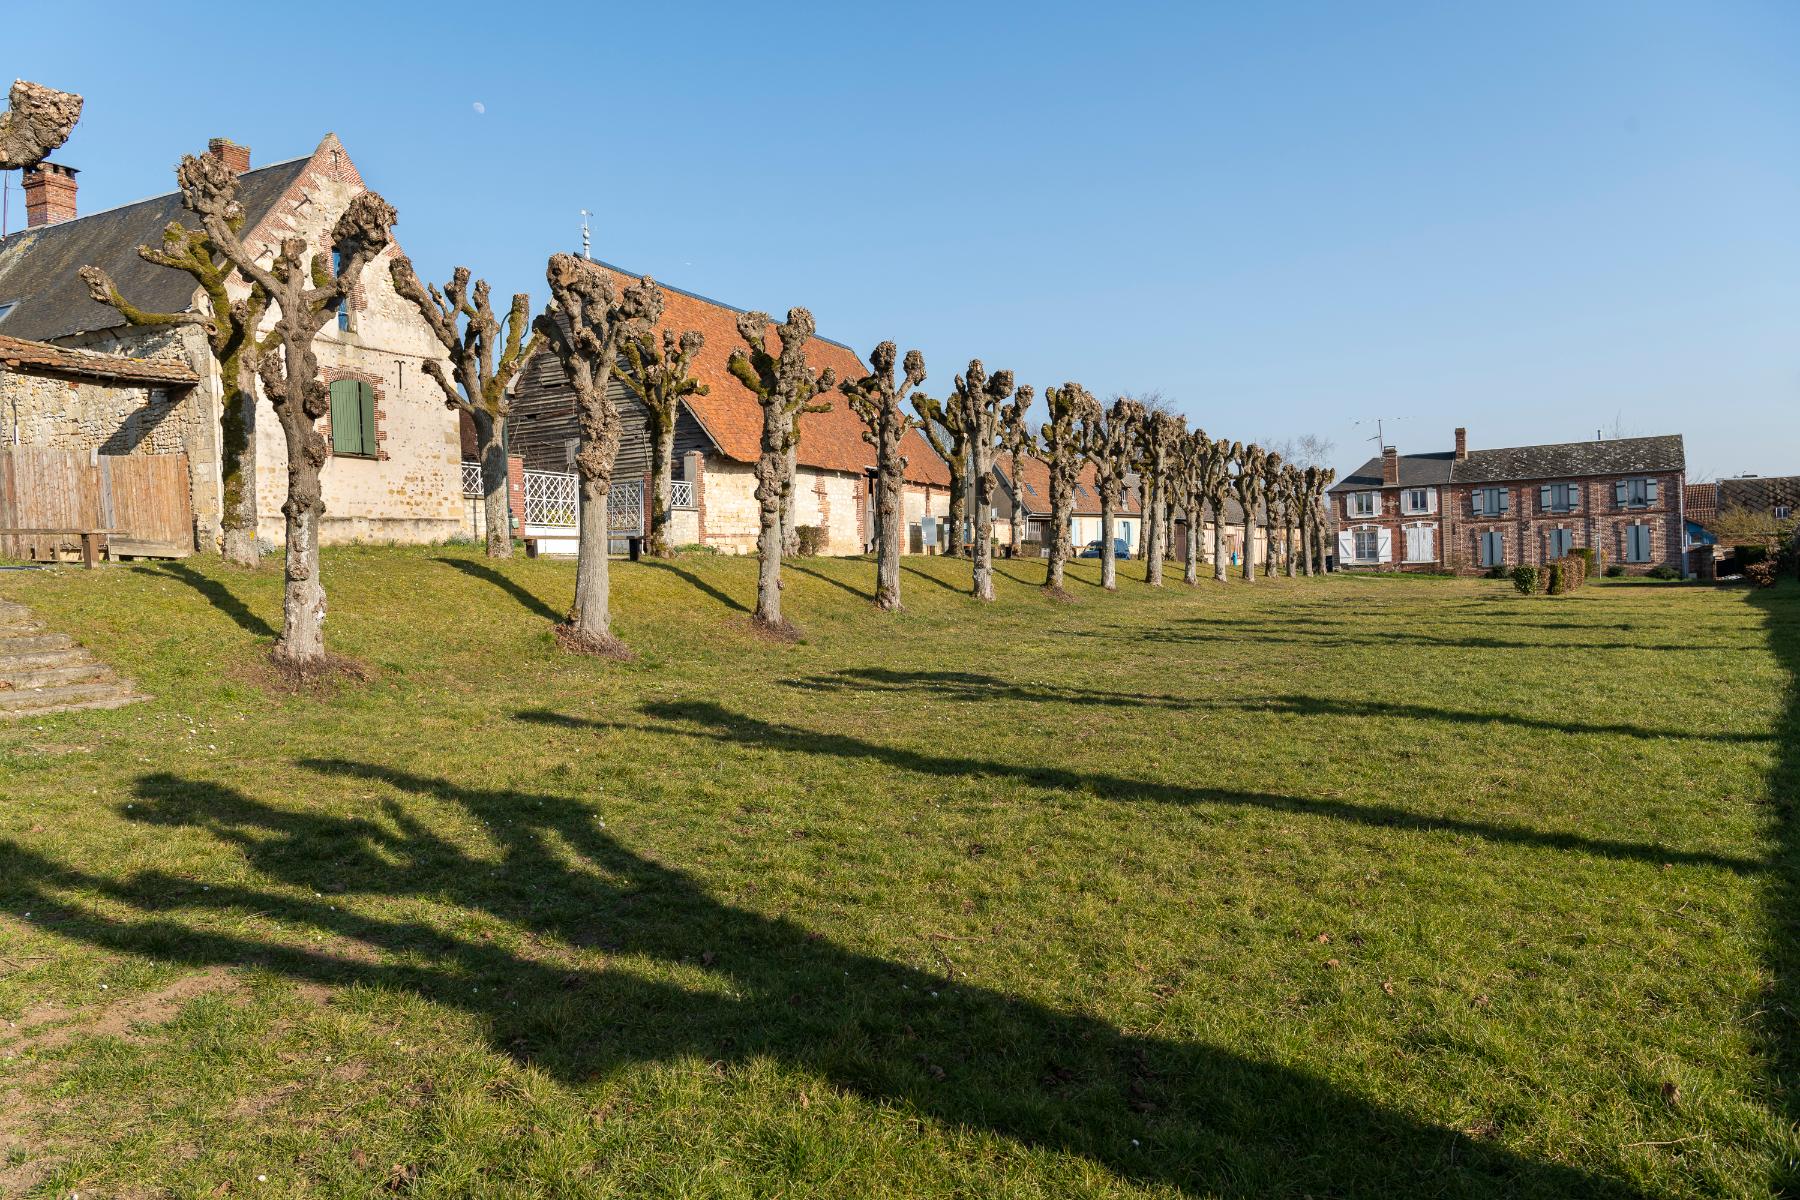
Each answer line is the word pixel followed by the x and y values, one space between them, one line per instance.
pixel 394 472
pixel 1468 510
pixel 718 438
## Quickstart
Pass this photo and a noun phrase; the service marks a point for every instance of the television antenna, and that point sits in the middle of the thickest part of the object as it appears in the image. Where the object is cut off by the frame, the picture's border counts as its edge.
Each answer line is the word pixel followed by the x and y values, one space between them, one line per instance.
pixel 1380 437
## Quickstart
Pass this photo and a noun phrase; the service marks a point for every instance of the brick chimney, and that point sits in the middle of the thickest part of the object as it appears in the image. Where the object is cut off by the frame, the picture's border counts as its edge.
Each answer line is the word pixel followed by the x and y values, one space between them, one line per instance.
pixel 233 155
pixel 49 194
pixel 1390 466
pixel 1462 443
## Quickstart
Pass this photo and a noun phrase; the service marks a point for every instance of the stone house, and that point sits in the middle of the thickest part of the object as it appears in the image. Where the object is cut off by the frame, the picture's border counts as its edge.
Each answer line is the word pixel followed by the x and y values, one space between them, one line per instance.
pixel 393 474
pixel 1470 511
pixel 718 438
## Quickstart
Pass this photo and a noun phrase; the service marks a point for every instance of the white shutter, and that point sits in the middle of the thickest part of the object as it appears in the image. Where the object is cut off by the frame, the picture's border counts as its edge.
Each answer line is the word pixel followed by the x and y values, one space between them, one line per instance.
pixel 1346 547
pixel 1384 545
pixel 1430 500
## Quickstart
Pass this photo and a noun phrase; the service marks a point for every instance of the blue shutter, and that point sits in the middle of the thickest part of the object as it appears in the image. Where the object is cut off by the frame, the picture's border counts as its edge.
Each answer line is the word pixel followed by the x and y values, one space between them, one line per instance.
pixel 1546 498
pixel 1619 491
pixel 1650 491
pixel 1574 494
pixel 1505 500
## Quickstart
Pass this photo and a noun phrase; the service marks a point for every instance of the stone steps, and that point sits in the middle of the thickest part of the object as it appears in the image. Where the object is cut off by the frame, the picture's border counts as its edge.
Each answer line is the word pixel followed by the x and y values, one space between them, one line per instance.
pixel 44 672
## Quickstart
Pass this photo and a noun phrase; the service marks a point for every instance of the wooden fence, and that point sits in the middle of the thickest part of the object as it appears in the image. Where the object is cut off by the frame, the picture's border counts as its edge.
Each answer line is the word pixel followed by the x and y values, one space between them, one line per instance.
pixel 143 498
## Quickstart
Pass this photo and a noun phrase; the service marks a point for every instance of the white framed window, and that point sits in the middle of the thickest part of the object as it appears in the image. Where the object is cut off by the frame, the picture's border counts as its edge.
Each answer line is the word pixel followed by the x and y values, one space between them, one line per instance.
pixel 1783 511
pixel 1367 544
pixel 1361 504
pixel 1417 501
pixel 1421 543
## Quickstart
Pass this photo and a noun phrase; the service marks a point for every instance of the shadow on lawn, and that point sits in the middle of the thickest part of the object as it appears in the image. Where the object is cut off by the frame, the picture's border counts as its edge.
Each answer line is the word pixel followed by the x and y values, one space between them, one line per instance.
pixel 217 595
pixel 971 686
pixel 1195 1117
pixel 1294 634
pixel 499 579
pixel 663 564
pixel 1780 1016
pixel 836 583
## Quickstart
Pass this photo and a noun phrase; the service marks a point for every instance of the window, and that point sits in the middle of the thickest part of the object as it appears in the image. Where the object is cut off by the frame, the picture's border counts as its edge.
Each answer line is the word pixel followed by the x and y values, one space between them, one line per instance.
pixel 1637 543
pixel 1367 544
pixel 1559 497
pixel 1421 544
pixel 1561 542
pixel 1362 504
pixel 1493 549
pixel 1414 501
pixel 343 308
pixel 1635 493
pixel 1783 511
pixel 352 418
pixel 1491 501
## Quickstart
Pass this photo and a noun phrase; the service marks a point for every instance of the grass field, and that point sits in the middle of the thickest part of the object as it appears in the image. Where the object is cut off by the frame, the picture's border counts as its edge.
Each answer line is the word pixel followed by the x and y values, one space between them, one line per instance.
pixel 1319 887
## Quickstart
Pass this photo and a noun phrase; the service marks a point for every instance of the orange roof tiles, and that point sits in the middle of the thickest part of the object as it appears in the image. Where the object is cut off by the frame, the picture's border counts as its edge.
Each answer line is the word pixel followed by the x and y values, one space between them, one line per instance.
pixel 1035 475
pixel 731 416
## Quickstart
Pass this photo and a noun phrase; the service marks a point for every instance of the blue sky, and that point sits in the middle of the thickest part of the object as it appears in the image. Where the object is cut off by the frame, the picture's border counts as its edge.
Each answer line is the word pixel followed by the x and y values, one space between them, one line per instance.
pixel 1536 220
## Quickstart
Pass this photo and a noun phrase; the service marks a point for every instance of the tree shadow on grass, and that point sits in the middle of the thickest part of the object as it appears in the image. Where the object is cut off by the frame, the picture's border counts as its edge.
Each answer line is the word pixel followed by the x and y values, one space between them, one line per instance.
pixel 501 580
pixel 707 721
pixel 836 583
pixel 930 578
pixel 975 687
pixel 1387 639
pixel 217 595
pixel 1195 1117
pixel 663 564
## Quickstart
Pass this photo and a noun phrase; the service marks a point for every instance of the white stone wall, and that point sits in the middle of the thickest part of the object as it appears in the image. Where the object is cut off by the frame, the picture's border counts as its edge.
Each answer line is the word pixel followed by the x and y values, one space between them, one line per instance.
pixel 829 499
pixel 684 526
pixel 732 514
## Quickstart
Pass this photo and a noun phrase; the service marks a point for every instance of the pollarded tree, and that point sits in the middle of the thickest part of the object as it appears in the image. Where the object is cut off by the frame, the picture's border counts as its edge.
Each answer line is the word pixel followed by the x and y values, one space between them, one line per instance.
pixel 1112 445
pixel 1268 495
pixel 1015 438
pixel 1187 483
pixel 877 400
pixel 1064 439
pixel 784 384
pixel 230 326
pixel 1248 485
pixel 37 120
pixel 660 375
pixel 588 321
pixel 1322 480
pixel 1159 439
pixel 482 364
pixel 790 478
pixel 942 424
pixel 1215 489
pixel 1304 513
pixel 305 287
pixel 981 397
pixel 1294 508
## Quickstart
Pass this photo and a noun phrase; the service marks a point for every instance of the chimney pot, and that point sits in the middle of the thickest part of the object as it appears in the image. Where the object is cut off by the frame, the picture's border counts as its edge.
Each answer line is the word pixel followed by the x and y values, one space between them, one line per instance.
pixel 230 153
pixel 49 194
pixel 1462 443
pixel 1390 465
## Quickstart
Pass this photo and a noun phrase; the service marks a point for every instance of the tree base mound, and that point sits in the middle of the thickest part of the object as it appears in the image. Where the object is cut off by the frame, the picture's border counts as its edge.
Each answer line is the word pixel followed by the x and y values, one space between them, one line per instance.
pixel 577 641
pixel 783 631
pixel 312 676
pixel 1059 595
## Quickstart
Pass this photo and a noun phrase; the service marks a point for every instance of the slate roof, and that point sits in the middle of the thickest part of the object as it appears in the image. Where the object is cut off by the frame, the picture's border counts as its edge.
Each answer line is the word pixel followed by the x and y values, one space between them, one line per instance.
pixel 38 265
pixel 729 413
pixel 1759 494
pixel 1560 460
pixel 1035 475
pixel 16 353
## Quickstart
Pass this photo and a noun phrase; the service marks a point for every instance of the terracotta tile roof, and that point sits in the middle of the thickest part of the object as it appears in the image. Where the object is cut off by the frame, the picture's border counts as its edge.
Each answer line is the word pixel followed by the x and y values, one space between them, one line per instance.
pixel 18 353
pixel 1700 502
pixel 830 441
pixel 1035 475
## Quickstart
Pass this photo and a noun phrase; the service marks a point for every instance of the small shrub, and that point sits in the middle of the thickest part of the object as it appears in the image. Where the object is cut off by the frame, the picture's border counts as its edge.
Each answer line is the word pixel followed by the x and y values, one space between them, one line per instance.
pixel 1762 574
pixel 811 538
pixel 1590 560
pixel 1525 579
pixel 1664 571
pixel 1614 571
pixel 695 548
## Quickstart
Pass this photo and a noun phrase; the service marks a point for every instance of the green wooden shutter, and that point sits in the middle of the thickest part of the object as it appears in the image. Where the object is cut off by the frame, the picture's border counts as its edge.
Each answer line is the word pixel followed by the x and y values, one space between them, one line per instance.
pixel 365 401
pixel 346 419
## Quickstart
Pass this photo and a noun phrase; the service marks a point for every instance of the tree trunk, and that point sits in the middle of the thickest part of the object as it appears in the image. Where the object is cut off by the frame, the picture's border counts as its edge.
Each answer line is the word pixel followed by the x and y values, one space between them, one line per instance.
pixel 959 485
pixel 1153 533
pixel 1306 546
pixel 496 503
pixel 982 577
pixel 790 514
pixel 1190 572
pixel 1287 549
pixel 1219 543
pixel 590 618
pixel 302 640
pixel 768 546
pixel 662 468
pixel 1249 543
pixel 1109 567
pixel 238 474
pixel 889 504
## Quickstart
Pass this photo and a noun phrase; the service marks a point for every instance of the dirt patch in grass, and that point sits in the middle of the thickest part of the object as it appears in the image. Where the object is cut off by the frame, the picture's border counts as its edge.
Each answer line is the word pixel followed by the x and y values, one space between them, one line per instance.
pixel 284 677
pixel 782 632
pixel 607 646
pixel 117 1019
pixel 1056 594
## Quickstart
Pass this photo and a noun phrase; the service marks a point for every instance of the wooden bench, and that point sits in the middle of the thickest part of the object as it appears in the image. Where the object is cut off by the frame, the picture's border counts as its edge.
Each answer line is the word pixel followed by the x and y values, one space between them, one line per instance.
pixel 91 547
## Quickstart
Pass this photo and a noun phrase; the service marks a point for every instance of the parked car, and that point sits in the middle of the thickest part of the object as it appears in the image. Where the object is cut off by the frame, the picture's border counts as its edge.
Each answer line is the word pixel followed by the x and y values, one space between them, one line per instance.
pixel 1121 549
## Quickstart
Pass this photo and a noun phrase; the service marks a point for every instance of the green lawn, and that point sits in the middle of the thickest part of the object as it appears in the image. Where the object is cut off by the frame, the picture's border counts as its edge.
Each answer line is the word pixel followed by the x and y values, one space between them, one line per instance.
pixel 1321 887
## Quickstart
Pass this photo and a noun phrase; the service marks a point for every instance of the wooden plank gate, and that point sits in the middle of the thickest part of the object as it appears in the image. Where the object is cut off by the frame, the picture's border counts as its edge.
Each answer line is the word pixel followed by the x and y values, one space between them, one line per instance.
pixel 141 500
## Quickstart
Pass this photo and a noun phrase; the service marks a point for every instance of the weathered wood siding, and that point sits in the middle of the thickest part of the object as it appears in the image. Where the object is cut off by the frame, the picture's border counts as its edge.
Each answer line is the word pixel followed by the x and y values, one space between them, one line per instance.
pixel 145 496
pixel 543 424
